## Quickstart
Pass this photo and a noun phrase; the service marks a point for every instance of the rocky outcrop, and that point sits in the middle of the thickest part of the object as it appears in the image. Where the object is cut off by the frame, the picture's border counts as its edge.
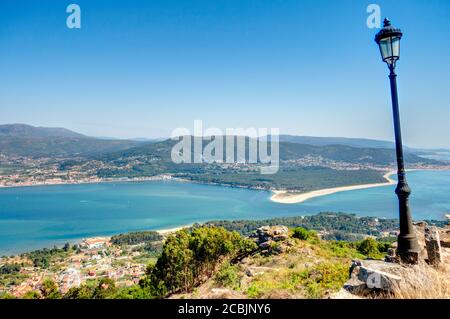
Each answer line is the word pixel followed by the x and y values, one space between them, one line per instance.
pixel 268 238
pixel 275 233
pixel 373 275
pixel 370 277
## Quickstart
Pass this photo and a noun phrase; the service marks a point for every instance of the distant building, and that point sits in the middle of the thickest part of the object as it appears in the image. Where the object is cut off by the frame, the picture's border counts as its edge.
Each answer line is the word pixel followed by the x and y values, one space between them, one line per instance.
pixel 94 243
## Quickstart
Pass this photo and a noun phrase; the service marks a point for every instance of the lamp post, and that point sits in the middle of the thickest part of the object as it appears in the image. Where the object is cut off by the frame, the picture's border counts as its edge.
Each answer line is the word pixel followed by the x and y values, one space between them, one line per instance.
pixel 388 39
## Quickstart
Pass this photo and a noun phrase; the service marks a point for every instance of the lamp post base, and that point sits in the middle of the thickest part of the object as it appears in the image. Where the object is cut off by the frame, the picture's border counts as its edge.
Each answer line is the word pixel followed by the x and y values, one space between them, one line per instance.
pixel 408 249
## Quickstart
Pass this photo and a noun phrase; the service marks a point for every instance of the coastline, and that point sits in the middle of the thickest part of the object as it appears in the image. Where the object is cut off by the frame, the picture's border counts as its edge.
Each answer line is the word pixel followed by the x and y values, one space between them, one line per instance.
pixel 276 197
pixel 168 231
pixel 284 197
pixel 164 232
pixel 162 177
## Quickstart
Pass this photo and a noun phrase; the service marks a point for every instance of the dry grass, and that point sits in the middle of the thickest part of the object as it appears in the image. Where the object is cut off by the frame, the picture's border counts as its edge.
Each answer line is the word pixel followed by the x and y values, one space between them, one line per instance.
pixel 423 282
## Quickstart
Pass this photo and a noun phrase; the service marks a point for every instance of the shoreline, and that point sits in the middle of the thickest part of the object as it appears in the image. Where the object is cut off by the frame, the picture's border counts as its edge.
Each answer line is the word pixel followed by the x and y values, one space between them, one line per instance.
pixel 162 177
pixel 284 197
pixel 168 231
pixel 164 232
pixel 276 197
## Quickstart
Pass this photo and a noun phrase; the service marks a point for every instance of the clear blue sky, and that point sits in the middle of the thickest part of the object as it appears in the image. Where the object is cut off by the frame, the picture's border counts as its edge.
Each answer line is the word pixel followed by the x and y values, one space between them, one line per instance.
pixel 142 68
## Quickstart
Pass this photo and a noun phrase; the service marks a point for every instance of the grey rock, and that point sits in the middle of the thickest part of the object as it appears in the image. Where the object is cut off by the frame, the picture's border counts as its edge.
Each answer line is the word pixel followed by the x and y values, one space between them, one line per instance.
pixel 266 235
pixel 433 246
pixel 376 276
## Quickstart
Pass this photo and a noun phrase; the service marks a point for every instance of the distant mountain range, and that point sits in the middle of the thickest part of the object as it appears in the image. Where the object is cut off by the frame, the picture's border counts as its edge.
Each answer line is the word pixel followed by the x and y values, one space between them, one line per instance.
pixel 354 142
pixel 322 141
pixel 27 140
pixel 28 131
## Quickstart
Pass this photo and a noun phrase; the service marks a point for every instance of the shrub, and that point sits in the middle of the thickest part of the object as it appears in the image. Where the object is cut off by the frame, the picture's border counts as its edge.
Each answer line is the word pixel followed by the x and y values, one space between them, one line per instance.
pixel 228 276
pixel 368 247
pixel 49 290
pixel 81 292
pixel 189 258
pixel 133 292
pixel 106 289
pixel 5 295
pixel 9 269
pixel 324 278
pixel 32 294
pixel 303 234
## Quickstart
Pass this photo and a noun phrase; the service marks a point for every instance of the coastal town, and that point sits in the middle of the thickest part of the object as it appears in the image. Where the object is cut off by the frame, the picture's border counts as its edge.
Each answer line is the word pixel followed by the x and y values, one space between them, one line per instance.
pixel 16 171
pixel 125 258
pixel 19 171
pixel 70 266
pixel 122 258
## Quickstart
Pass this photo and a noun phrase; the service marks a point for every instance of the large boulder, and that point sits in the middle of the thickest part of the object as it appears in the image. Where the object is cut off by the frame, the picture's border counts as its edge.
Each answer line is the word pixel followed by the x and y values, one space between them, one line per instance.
pixel 373 275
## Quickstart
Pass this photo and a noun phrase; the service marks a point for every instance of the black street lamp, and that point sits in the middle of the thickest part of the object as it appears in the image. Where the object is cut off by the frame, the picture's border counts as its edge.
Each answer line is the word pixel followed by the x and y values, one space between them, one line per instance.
pixel 388 39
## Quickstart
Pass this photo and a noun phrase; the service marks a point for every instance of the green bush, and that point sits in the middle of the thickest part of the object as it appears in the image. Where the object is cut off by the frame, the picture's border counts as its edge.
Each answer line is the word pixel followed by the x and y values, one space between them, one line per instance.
pixel 385 244
pixel 303 234
pixel 32 294
pixel 49 289
pixel 104 289
pixel 133 292
pixel 5 295
pixel 368 247
pixel 81 292
pixel 189 258
pixel 228 276
pixel 9 269
pixel 324 278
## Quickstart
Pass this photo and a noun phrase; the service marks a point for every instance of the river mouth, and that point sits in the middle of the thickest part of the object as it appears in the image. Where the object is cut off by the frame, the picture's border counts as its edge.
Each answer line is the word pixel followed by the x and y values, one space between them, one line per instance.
pixel 43 216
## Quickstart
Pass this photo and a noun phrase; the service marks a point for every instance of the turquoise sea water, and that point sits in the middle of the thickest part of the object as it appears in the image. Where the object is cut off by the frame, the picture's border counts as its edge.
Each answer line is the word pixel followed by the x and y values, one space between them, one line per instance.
pixel 42 216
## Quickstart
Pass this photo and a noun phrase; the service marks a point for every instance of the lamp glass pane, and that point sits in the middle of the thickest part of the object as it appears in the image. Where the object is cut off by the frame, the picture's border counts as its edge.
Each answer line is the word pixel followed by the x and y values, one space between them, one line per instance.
pixel 396 47
pixel 386 48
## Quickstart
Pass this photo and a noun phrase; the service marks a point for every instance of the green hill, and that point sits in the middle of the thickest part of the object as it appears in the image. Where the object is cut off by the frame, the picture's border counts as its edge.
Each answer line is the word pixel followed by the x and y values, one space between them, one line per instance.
pixel 288 151
pixel 30 141
pixel 302 167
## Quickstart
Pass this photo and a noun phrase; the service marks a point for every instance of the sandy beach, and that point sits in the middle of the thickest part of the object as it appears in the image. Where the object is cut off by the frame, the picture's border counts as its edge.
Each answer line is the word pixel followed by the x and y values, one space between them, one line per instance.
pixel 285 197
pixel 169 231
